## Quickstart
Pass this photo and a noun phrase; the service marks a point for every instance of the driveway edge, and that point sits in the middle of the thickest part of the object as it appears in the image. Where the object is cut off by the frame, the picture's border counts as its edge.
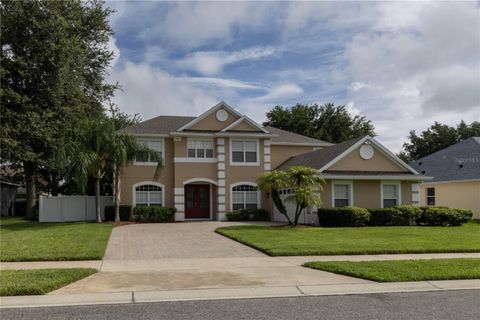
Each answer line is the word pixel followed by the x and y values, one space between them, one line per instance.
pixel 233 293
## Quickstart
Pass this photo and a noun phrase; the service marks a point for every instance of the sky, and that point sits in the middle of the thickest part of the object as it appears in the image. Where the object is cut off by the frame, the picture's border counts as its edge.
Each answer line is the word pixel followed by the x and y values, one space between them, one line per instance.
pixel 402 65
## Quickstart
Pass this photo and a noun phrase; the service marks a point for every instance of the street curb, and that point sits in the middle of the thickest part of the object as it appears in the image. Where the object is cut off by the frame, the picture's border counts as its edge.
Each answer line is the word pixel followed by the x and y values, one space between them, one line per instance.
pixel 127 297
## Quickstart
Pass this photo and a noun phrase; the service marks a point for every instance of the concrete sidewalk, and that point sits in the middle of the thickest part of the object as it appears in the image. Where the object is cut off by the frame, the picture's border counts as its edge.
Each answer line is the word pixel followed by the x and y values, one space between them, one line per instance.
pixel 233 293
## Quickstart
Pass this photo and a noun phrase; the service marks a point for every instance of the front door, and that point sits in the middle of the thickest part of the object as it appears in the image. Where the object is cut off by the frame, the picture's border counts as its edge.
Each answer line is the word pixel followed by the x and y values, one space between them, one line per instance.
pixel 197 201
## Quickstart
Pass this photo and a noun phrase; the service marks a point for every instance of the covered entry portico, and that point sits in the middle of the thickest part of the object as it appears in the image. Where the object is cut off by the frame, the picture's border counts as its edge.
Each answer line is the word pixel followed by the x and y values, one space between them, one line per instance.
pixel 198 200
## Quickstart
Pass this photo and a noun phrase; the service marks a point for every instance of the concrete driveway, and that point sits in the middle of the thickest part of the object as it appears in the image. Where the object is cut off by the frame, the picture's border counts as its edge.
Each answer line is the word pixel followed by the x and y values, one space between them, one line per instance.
pixel 191 255
pixel 174 241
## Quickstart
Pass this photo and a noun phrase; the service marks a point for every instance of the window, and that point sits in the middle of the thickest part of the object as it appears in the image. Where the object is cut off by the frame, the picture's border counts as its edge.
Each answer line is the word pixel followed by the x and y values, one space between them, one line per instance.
pixel 244 197
pixel 341 195
pixel 197 148
pixel 244 151
pixel 152 144
pixel 430 196
pixel 148 195
pixel 390 195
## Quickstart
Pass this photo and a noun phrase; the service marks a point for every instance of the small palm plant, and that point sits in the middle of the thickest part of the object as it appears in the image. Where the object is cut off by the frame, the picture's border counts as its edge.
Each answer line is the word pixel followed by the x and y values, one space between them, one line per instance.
pixel 272 182
pixel 306 186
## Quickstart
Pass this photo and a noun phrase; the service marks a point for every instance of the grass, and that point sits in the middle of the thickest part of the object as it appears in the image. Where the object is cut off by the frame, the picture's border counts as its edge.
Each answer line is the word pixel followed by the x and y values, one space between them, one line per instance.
pixel 404 270
pixel 24 240
pixel 286 241
pixel 39 281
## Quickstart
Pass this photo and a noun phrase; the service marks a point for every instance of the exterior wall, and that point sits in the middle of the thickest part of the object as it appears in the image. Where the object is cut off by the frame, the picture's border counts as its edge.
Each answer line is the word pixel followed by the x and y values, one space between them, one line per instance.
pixel 138 173
pixel 379 162
pixel 455 194
pixel 280 154
pixel 210 123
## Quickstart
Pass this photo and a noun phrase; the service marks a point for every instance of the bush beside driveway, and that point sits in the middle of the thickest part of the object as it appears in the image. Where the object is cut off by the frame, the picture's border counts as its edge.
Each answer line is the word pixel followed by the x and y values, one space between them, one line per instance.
pixel 24 240
pixel 306 241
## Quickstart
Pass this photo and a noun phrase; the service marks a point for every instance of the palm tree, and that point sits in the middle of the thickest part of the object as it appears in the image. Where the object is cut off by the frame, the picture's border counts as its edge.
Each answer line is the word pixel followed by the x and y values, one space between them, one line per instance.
pixel 126 148
pixel 306 186
pixel 272 182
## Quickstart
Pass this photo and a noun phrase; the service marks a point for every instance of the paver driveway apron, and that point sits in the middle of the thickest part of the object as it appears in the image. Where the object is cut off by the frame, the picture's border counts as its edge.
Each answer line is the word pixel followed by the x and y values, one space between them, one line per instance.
pixel 174 240
pixel 191 256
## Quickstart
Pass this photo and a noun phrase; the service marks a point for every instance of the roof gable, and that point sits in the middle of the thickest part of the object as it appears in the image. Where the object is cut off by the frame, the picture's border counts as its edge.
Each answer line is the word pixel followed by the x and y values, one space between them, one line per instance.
pixel 243 124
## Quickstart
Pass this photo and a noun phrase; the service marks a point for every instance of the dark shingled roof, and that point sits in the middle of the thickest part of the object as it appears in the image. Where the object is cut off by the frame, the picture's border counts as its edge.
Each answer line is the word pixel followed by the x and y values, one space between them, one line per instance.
pixel 167 124
pixel 317 159
pixel 460 161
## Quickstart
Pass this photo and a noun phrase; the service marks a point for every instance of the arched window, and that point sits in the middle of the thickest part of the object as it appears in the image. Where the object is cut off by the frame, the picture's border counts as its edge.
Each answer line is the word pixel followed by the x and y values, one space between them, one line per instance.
pixel 244 197
pixel 148 195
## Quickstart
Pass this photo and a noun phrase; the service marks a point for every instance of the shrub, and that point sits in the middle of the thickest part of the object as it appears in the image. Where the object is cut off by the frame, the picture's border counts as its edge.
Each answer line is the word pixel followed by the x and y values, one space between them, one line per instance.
pixel 396 216
pixel 248 214
pixel 154 214
pixel 124 213
pixel 441 216
pixel 343 217
pixel 408 215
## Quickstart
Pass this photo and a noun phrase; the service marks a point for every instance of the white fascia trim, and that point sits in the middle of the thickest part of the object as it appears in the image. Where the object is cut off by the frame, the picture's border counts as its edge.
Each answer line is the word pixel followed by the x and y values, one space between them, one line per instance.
pixel 158 184
pixel 194 160
pixel 399 191
pixel 248 183
pixel 387 152
pixel 240 120
pixel 373 177
pixel 302 144
pixel 245 134
pixel 210 111
pixel 191 134
pixel 350 190
pixel 200 180
pixel 453 181
pixel 244 164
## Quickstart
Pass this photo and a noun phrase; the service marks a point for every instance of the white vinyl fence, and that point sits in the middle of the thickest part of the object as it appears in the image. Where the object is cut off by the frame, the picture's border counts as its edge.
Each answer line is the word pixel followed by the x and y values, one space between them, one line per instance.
pixel 70 208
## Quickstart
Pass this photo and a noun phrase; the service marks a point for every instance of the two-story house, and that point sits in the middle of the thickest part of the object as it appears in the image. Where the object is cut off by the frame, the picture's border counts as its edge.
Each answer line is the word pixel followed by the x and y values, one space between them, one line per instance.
pixel 212 163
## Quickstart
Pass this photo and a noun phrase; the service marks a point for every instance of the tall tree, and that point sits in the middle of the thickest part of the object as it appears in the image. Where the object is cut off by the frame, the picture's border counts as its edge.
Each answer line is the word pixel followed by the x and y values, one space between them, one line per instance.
pixel 54 58
pixel 326 122
pixel 437 137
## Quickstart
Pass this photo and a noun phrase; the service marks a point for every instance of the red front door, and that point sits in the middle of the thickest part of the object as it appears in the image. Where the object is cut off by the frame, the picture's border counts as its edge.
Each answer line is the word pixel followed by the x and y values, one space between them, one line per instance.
pixel 197 201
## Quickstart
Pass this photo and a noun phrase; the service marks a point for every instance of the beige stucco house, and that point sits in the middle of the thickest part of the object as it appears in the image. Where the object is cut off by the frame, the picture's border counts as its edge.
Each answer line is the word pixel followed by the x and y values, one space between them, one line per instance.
pixel 213 162
pixel 456 176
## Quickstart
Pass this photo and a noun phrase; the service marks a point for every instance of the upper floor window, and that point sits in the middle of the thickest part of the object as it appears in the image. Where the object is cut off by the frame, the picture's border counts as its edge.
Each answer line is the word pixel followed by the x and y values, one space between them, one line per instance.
pixel 244 197
pixel 244 151
pixel 342 195
pixel 153 144
pixel 390 195
pixel 148 195
pixel 430 193
pixel 199 148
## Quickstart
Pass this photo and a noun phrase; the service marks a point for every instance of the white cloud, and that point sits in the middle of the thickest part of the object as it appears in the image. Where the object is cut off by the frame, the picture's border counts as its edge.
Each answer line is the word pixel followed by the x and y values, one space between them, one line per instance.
pixel 284 91
pixel 152 92
pixel 223 83
pixel 212 62
pixel 112 46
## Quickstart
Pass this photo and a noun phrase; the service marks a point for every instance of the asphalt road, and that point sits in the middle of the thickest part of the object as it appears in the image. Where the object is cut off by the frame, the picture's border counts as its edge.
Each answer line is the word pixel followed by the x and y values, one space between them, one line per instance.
pixel 425 305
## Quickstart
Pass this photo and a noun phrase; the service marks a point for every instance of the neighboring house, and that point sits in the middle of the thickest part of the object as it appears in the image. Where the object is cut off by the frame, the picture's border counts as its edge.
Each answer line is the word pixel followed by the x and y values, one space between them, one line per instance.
pixel 213 161
pixel 456 176
pixel 8 195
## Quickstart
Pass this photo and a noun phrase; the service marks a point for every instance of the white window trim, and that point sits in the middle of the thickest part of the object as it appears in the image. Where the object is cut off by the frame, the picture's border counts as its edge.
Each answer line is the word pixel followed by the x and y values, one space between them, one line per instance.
pixel 350 190
pixel 199 159
pixel 138 184
pixel 399 191
pixel 427 196
pixel 244 164
pixel 153 164
pixel 259 193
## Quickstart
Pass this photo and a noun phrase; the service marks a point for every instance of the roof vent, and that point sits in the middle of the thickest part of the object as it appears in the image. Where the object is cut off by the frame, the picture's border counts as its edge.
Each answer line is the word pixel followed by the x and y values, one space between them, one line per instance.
pixel 420 163
pixel 461 166
pixel 423 172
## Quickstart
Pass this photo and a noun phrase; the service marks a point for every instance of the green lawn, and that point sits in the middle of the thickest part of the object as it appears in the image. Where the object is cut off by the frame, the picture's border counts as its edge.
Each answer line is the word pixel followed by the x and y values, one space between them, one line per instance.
pixel 40 281
pixel 23 240
pixel 404 270
pixel 286 241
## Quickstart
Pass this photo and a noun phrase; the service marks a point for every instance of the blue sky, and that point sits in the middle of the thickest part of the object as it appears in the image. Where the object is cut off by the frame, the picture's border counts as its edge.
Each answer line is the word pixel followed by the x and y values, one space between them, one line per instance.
pixel 403 65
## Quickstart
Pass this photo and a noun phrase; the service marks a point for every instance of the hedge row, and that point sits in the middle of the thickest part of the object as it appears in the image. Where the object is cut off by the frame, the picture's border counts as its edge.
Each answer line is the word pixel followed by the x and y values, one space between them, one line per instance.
pixel 395 216
pixel 248 215
pixel 154 214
